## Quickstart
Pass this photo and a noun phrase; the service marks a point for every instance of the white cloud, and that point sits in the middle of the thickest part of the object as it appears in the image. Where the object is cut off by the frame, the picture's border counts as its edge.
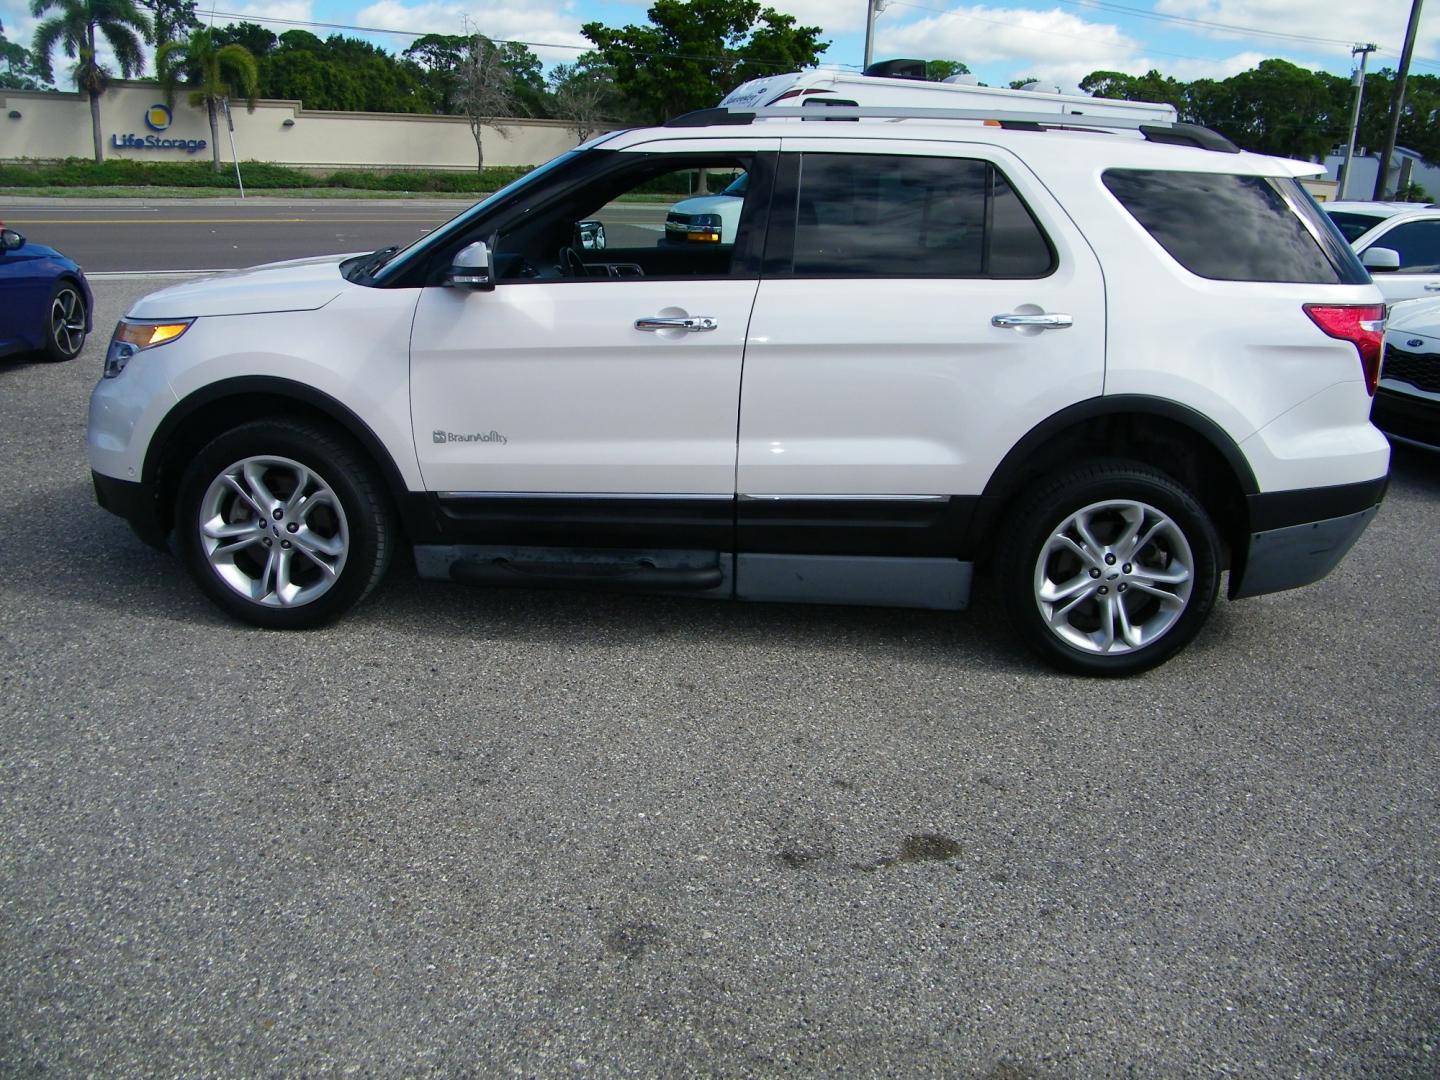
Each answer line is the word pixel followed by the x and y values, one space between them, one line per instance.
pixel 1378 21
pixel 832 16
pixel 1054 45
pixel 300 10
pixel 548 23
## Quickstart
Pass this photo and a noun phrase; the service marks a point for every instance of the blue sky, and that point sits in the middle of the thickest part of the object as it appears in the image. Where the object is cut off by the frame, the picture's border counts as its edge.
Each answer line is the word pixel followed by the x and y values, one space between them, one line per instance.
pixel 1059 40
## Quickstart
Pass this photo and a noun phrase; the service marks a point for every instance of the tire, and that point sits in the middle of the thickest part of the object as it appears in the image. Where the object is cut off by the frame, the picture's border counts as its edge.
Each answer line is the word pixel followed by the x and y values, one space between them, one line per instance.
pixel 1081 584
pixel 322 542
pixel 65 322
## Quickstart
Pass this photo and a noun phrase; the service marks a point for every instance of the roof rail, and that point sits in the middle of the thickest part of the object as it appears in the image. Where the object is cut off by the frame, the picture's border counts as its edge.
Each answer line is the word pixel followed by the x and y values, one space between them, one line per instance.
pixel 1176 133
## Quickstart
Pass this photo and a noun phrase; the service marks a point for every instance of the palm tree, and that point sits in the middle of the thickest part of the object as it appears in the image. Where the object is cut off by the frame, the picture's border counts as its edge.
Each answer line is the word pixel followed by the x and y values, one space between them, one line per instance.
pixel 213 75
pixel 74 26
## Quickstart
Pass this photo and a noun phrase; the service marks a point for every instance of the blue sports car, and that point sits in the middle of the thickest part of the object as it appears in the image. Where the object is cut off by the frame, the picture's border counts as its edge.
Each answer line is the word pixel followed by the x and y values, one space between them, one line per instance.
pixel 44 300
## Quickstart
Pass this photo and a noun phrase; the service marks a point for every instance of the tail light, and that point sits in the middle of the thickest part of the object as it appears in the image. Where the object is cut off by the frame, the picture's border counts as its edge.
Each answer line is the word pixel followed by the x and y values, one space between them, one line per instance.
pixel 1363 325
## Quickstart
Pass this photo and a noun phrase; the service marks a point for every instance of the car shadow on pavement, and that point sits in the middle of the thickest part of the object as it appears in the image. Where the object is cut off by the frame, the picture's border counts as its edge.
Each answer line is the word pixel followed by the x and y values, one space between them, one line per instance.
pixel 80 554
pixel 1415 471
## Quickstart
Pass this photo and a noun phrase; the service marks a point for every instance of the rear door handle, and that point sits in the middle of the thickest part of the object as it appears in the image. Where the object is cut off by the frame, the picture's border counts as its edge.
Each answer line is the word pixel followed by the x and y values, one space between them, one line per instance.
pixel 1045 321
pixel 1433 286
pixel 691 324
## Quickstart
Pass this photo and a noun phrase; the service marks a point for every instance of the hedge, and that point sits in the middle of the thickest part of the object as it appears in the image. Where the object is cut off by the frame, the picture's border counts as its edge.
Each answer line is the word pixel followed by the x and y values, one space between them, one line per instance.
pixel 79 172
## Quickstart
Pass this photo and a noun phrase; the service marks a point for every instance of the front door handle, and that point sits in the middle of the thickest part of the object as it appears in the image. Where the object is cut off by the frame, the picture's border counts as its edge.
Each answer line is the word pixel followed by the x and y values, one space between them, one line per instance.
pixel 1433 286
pixel 691 324
pixel 1043 321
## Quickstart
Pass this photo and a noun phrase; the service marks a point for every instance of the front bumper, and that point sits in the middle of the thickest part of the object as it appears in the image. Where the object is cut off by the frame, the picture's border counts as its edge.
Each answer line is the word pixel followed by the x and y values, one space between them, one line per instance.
pixel 1297 537
pixel 136 503
pixel 1410 418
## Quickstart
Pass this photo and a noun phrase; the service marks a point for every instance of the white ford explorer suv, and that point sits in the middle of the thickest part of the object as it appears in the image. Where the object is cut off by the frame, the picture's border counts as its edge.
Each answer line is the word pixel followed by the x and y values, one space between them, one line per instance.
pixel 1105 365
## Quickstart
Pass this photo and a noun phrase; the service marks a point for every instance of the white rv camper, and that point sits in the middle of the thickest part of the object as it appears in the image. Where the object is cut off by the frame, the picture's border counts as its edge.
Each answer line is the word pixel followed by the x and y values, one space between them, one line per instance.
pixel 959 92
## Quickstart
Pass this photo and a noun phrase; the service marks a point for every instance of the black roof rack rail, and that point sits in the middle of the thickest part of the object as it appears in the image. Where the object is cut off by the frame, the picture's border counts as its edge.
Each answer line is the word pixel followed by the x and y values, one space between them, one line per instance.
pixel 1189 135
pixel 709 118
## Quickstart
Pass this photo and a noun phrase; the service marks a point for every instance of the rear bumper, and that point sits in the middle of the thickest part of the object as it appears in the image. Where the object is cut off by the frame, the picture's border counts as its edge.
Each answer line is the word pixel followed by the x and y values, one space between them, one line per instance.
pixel 1298 537
pixel 136 503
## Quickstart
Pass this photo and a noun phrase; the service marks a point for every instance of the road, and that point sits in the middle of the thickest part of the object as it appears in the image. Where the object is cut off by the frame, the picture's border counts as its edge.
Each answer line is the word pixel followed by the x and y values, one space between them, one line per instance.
pixel 129 235
pixel 479 833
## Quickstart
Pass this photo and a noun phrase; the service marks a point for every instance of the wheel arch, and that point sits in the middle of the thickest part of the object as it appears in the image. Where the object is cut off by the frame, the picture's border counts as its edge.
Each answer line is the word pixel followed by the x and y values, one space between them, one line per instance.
pixel 198 418
pixel 1179 441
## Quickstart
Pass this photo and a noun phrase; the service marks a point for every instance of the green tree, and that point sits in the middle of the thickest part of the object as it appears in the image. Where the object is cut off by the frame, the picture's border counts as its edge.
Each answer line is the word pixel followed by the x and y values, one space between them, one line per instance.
pixel 258 41
pixel 76 26
pixel 212 74
pixel 1152 86
pixel 940 70
pixel 690 55
pixel 584 93
pixel 17 70
pixel 439 58
pixel 1274 108
pixel 170 20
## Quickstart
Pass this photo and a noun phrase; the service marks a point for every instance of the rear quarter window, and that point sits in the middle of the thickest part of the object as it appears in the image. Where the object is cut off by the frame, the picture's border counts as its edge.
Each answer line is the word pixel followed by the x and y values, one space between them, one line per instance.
pixel 1238 228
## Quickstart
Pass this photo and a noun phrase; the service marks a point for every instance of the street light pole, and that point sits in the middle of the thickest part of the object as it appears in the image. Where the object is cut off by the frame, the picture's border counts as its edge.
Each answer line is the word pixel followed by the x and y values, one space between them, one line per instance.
pixel 872 9
pixel 1364 51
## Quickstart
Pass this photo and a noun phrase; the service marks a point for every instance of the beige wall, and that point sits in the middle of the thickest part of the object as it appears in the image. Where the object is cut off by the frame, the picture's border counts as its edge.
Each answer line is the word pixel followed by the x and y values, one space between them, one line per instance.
pixel 57 125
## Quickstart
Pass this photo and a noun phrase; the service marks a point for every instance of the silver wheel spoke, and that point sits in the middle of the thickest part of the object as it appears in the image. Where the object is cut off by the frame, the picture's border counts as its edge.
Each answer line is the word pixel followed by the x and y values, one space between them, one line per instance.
pixel 1159 594
pixel 1051 593
pixel 299 496
pixel 1089 558
pixel 1059 615
pixel 328 568
pixel 254 474
pixel 1132 635
pixel 239 489
pixel 1082 526
pixel 320 545
pixel 1176 575
pixel 1107 623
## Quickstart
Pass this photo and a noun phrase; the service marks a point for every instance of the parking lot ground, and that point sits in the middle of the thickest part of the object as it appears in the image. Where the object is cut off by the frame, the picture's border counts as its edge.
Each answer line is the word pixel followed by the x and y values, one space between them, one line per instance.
pixel 473 832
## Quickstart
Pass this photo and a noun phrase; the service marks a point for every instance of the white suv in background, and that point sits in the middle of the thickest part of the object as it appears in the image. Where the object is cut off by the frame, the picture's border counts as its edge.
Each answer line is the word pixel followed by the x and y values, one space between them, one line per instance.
pixel 1399 243
pixel 937 344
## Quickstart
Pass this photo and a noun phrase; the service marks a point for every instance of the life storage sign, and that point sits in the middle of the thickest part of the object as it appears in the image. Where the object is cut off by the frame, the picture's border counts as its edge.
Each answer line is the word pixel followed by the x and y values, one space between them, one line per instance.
pixel 158 118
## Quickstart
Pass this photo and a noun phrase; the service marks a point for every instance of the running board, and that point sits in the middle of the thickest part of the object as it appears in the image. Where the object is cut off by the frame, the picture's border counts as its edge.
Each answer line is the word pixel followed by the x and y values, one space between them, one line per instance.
pixel 699 572
pixel 874 581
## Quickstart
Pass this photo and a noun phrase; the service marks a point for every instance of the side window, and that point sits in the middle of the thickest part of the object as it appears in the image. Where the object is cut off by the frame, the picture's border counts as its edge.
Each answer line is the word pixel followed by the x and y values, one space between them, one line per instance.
pixel 1229 227
pixel 1418 243
pixel 860 215
pixel 661 217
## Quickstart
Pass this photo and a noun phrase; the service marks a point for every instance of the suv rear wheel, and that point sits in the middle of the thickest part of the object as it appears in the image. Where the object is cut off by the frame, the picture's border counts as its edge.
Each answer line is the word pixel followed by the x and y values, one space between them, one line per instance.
pixel 1109 569
pixel 283 524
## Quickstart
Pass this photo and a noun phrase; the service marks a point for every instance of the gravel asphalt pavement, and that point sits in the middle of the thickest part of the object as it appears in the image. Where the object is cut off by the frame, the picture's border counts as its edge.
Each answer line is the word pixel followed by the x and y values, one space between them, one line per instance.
pixel 484 833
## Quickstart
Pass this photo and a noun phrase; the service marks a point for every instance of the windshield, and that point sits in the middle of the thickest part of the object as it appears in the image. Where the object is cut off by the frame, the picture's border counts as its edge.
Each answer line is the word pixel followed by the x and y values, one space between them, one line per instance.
pixel 1354 225
pixel 737 186
pixel 460 222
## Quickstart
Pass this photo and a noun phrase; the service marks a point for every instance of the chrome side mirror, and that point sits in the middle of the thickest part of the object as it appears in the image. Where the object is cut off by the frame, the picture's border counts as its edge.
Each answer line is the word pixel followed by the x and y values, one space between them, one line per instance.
pixel 10 240
pixel 1379 260
pixel 471 268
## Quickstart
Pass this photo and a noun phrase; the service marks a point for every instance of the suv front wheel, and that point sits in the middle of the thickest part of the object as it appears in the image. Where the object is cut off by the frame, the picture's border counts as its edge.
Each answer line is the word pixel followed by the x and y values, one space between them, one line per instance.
pixel 283 524
pixel 1108 569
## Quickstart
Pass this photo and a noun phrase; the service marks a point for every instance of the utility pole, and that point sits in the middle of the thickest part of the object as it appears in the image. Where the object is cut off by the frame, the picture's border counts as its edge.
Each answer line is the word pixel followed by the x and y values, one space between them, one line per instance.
pixel 872 9
pixel 1364 52
pixel 1397 101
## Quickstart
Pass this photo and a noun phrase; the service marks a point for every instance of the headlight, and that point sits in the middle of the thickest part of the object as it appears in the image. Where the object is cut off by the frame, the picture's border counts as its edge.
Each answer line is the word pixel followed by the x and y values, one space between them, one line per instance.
pixel 131 337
